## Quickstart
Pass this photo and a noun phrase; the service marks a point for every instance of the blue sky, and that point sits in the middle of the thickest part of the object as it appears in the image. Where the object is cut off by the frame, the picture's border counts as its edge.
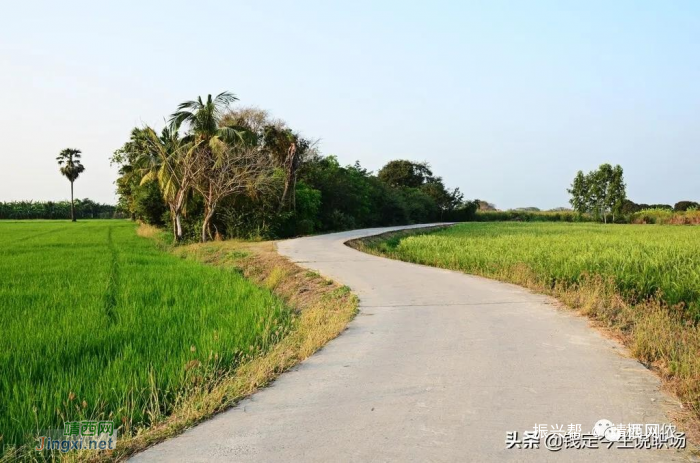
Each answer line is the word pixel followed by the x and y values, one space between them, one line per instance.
pixel 506 100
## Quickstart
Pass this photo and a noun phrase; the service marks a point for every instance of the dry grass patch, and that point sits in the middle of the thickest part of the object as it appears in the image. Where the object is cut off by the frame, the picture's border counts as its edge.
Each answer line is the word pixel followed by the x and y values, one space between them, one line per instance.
pixel 148 231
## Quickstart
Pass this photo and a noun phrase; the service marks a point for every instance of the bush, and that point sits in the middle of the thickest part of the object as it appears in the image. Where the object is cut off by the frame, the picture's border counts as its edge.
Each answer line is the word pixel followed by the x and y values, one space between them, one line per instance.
pixel 148 203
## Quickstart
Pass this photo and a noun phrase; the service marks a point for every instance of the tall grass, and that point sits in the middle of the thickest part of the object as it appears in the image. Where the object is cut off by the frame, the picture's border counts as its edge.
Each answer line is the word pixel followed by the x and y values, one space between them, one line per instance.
pixel 100 324
pixel 644 262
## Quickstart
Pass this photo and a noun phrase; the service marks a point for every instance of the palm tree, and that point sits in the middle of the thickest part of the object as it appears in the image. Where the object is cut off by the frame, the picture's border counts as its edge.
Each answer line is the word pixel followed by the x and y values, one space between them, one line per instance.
pixel 147 157
pixel 71 168
pixel 161 158
pixel 209 141
pixel 204 120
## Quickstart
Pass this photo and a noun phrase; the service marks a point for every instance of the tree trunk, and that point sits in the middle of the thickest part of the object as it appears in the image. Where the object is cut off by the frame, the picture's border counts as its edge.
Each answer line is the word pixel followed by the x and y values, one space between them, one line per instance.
pixel 72 204
pixel 209 207
pixel 207 220
pixel 173 222
pixel 177 215
pixel 178 227
pixel 285 193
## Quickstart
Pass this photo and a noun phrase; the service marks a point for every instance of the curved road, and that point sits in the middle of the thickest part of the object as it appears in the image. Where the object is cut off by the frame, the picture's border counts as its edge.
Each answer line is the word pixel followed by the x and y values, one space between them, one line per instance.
pixel 437 366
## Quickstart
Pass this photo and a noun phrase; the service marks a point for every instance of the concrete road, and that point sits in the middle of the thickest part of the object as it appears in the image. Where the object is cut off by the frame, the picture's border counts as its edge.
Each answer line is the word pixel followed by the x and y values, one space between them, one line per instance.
pixel 438 366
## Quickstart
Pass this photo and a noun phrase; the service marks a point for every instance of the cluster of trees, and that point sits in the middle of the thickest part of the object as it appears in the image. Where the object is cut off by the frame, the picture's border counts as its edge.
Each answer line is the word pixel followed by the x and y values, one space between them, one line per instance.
pixel 214 170
pixel 81 209
pixel 600 193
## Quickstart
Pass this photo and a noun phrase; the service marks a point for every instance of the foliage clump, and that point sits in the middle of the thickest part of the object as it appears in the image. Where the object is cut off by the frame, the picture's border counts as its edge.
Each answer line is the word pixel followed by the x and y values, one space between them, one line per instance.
pixel 218 171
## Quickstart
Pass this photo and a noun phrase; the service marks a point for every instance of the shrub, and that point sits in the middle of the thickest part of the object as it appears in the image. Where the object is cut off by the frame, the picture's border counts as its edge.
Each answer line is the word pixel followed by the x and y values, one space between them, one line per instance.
pixel 148 203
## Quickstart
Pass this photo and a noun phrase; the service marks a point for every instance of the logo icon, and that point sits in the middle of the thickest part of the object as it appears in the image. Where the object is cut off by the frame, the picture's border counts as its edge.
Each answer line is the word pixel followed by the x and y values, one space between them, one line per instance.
pixel 605 428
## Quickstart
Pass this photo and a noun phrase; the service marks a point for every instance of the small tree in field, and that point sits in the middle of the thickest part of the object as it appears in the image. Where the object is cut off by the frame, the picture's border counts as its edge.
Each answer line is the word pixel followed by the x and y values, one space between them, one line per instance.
pixel 599 192
pixel 71 168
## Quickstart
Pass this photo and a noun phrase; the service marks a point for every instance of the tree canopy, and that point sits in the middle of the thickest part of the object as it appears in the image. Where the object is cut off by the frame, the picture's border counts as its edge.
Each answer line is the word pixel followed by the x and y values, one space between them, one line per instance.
pixel 404 173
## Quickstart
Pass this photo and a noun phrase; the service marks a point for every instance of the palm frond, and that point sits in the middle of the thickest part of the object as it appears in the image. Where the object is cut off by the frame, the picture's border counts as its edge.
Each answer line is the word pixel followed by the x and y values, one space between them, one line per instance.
pixel 152 175
pixel 180 117
pixel 234 135
pixel 191 105
pixel 225 99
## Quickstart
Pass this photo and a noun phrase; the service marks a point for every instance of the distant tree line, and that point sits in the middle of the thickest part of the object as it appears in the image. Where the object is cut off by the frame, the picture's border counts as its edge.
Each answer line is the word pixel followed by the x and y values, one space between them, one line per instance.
pixel 84 209
pixel 219 171
pixel 681 206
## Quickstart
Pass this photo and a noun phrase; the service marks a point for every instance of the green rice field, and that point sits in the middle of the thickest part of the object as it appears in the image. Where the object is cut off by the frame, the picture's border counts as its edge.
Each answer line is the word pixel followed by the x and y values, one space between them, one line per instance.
pixel 645 261
pixel 98 323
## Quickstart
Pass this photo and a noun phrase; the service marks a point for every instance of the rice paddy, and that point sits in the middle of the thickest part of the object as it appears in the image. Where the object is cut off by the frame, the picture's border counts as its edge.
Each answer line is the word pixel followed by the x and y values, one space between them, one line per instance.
pixel 98 323
pixel 645 262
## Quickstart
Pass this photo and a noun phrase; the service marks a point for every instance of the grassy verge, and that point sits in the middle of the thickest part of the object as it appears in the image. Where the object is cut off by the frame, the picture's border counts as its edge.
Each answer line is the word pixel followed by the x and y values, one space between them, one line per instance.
pixel 639 284
pixel 82 303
